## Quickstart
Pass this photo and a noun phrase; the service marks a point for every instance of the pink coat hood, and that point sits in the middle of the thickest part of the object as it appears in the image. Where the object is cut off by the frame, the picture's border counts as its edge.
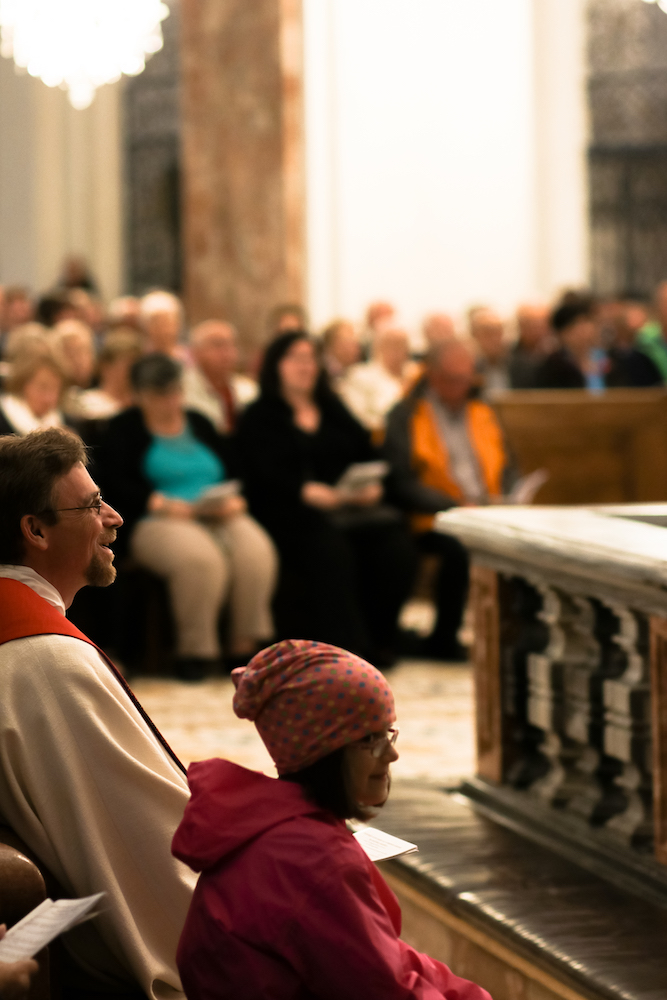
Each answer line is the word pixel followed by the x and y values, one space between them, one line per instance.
pixel 229 807
pixel 288 906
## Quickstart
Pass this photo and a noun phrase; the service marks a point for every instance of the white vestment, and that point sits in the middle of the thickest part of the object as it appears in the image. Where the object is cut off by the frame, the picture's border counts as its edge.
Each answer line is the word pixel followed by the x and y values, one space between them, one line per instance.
pixel 86 785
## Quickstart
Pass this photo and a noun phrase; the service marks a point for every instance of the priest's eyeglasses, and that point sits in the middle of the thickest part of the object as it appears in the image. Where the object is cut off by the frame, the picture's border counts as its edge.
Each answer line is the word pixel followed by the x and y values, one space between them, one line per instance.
pixel 378 743
pixel 96 505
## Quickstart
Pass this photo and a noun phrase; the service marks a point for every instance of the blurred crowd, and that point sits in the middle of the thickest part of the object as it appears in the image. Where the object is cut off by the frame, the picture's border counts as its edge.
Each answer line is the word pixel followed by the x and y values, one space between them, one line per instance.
pixel 232 469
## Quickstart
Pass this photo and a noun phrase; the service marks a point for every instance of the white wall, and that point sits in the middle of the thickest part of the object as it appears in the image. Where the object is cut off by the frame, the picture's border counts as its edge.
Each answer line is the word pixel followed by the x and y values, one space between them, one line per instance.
pixel 444 152
pixel 445 159
pixel 561 132
pixel 60 183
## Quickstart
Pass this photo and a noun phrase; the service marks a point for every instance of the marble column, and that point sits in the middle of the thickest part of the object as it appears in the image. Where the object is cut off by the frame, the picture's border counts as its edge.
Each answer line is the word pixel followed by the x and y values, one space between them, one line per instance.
pixel 243 186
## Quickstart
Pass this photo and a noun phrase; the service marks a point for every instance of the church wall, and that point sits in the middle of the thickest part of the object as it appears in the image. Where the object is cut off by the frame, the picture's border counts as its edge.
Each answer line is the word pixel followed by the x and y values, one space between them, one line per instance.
pixel 445 151
pixel 60 183
pixel 561 124
pixel 445 159
pixel 16 153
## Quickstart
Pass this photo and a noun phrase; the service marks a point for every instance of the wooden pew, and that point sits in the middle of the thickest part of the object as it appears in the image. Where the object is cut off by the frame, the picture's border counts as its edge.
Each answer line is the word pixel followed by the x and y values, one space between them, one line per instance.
pixel 22 888
pixel 606 448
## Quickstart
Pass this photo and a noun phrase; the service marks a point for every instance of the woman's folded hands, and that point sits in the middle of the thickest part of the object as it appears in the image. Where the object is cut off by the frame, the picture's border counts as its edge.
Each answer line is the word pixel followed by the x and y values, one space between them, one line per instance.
pixel 222 510
pixel 326 497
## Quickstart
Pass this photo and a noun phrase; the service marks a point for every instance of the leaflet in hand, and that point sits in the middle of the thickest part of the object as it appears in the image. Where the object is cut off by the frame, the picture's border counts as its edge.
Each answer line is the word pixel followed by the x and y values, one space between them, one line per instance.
pixel 525 490
pixel 45 923
pixel 362 474
pixel 380 846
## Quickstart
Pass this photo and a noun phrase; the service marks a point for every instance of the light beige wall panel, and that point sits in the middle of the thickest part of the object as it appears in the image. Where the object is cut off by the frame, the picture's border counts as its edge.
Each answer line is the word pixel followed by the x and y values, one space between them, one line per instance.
pixel 107 189
pixel 561 137
pixel 60 183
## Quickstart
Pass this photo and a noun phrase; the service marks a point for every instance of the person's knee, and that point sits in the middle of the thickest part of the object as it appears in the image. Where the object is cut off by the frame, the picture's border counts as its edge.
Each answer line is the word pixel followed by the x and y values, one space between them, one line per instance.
pixel 266 553
pixel 196 563
pixel 251 548
pixel 203 568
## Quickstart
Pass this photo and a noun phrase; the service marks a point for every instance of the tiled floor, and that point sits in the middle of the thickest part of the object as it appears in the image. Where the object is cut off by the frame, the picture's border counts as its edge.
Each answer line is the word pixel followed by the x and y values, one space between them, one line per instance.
pixel 433 702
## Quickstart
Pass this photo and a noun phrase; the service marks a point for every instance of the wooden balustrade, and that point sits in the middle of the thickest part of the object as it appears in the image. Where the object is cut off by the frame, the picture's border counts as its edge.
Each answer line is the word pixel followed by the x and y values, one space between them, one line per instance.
pixel 570 664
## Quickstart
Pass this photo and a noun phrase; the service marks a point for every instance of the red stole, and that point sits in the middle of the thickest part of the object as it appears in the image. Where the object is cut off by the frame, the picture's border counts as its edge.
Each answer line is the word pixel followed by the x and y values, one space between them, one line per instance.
pixel 23 613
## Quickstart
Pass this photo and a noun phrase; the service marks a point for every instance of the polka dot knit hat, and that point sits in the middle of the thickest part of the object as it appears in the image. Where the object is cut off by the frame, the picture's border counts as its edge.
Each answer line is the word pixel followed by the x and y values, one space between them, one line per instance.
pixel 309 698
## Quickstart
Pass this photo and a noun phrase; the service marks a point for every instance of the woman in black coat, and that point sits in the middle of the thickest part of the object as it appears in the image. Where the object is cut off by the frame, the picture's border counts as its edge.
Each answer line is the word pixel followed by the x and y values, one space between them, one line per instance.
pixel 347 562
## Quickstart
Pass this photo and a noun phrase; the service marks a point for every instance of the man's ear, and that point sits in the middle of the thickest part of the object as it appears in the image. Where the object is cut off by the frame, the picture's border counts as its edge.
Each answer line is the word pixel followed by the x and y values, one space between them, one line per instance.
pixel 32 529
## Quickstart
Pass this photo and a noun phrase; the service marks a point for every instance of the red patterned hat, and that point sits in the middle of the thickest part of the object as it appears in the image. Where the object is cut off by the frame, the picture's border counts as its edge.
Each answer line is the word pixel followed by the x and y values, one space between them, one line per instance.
pixel 309 698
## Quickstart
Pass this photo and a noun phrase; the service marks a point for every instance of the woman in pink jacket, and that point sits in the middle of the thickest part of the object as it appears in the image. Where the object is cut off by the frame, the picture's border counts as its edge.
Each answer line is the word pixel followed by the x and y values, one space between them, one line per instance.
pixel 288 905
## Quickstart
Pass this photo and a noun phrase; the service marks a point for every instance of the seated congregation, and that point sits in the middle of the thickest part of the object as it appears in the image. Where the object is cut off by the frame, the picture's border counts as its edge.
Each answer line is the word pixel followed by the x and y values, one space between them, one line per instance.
pixel 232 491
pixel 229 470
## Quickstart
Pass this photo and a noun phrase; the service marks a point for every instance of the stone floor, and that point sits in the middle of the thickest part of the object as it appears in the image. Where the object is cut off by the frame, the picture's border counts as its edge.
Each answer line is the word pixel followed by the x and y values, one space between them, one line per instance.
pixel 434 706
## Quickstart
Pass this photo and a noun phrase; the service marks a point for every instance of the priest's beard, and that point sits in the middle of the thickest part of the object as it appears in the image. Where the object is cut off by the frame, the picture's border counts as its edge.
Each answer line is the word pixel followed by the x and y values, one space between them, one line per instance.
pixel 100 572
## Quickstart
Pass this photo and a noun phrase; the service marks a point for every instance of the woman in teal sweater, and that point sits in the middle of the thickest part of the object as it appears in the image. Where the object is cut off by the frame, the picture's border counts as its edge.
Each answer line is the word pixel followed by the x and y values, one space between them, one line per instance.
pixel 163 467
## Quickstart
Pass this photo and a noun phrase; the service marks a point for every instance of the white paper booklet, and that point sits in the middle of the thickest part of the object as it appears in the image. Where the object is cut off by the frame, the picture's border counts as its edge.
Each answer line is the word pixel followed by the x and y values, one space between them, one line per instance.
pixel 381 846
pixel 221 491
pixel 45 923
pixel 362 474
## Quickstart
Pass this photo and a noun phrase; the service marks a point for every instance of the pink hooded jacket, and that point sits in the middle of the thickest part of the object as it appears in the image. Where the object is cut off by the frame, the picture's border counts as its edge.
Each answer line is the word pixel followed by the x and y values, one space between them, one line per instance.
pixel 288 906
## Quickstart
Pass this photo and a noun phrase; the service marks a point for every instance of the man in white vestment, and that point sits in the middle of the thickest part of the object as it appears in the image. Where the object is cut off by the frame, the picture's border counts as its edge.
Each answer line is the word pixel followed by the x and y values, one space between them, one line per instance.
pixel 85 778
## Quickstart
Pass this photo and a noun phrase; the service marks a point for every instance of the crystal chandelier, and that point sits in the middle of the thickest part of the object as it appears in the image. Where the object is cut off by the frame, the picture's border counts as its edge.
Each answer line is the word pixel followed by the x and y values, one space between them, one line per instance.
pixel 80 45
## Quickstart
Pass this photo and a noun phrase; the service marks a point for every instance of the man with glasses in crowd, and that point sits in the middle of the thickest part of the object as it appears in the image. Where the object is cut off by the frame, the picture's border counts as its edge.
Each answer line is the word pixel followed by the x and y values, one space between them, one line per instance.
pixel 86 780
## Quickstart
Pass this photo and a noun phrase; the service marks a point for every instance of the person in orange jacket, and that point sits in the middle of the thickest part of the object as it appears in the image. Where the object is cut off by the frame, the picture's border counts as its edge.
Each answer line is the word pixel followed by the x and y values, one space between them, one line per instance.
pixel 445 450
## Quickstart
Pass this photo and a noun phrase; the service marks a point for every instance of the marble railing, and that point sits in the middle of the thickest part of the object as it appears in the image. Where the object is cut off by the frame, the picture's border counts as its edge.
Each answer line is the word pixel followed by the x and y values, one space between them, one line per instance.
pixel 571 666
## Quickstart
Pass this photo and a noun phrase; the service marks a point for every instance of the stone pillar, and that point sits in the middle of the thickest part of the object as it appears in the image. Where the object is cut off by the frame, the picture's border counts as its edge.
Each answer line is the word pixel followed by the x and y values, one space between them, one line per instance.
pixel 243 175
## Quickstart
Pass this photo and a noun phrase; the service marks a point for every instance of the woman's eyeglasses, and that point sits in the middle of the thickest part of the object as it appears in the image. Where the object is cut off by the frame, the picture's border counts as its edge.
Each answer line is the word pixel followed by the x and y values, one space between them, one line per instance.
pixel 378 743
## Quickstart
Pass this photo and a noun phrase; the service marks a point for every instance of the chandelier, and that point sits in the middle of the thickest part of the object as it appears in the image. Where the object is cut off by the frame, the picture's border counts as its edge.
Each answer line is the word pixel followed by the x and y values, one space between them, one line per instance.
pixel 79 45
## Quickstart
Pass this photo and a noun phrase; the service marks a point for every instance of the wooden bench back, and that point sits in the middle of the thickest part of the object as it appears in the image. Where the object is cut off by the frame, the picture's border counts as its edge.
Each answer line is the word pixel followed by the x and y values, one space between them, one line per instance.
pixel 22 888
pixel 607 448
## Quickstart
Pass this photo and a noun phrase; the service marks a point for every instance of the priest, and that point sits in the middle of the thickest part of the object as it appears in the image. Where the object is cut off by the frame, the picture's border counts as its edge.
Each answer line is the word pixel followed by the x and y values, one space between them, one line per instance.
pixel 86 780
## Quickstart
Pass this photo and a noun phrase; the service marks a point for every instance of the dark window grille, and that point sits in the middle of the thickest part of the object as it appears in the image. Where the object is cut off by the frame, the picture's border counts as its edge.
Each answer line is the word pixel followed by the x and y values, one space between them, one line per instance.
pixel 628 205
pixel 152 168
pixel 627 91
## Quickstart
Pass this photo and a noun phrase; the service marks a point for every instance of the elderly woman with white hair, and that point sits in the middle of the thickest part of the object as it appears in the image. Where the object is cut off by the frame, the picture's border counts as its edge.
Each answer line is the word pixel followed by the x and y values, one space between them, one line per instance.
pixel 120 349
pixel 74 347
pixel 33 394
pixel 161 318
pixel 371 388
